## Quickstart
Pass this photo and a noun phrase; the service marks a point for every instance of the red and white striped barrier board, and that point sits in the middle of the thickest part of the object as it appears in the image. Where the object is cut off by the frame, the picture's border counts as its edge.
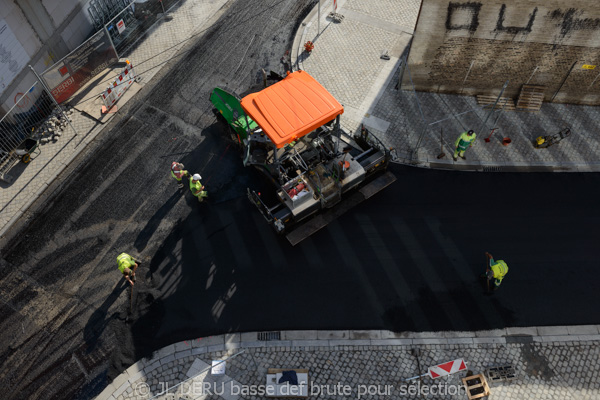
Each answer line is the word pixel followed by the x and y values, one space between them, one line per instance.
pixel 119 86
pixel 448 368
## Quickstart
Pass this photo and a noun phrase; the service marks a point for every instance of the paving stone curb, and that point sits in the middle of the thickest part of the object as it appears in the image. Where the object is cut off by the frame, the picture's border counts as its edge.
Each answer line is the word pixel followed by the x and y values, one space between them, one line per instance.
pixel 345 340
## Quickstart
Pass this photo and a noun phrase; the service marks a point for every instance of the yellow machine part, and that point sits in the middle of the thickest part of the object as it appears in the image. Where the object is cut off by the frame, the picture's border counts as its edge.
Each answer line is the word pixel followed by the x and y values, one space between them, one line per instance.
pixel 540 140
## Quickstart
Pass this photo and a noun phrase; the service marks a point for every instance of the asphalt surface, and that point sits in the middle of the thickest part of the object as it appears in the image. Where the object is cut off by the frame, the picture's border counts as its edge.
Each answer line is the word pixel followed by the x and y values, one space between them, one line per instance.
pixel 406 259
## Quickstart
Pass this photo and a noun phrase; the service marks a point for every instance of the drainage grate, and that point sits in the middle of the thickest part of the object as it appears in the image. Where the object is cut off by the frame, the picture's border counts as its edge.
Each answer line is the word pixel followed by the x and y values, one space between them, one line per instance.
pixel 505 373
pixel 265 336
pixel 492 169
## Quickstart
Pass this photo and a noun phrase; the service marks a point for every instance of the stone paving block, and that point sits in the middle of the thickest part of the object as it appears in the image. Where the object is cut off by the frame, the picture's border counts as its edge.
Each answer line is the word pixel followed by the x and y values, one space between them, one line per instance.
pixel 254 344
pixel 232 337
pixel 299 335
pixel 521 331
pixel 249 337
pixel 489 340
pixel 183 354
pixel 181 346
pixel 391 342
pixel 394 335
pixel 136 367
pixel 215 348
pixel 121 389
pixel 134 377
pixel 211 340
pixel 233 346
pixel 276 343
pixel 588 338
pixel 324 335
pixel 308 343
pixel 552 330
pixel 427 341
pixel 457 334
pixel 557 338
pixel 151 366
pixel 460 340
pixel 582 330
pixel 167 359
pixel 165 351
pixel 120 380
pixel 427 335
pixel 199 350
pixel 491 333
pixel 349 342
pixel 365 334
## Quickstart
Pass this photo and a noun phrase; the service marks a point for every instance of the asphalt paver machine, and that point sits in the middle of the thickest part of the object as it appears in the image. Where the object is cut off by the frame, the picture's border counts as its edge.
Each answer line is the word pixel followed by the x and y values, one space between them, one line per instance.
pixel 291 132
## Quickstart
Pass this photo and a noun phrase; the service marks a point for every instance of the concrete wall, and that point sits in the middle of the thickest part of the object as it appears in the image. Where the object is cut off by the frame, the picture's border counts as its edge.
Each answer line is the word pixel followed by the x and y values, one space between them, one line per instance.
pixel 47 30
pixel 473 47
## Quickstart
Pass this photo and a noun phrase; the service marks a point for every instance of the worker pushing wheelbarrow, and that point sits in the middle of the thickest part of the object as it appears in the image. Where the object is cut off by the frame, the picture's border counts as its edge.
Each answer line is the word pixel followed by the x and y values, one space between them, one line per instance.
pixel 542 142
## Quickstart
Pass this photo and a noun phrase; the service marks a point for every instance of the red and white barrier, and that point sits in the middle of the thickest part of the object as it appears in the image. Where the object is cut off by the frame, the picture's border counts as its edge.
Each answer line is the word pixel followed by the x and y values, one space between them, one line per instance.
pixel 118 87
pixel 448 368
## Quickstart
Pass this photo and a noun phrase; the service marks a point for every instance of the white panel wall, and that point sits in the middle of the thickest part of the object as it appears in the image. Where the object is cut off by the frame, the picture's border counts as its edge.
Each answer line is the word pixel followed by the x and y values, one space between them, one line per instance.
pixel 59 10
pixel 77 30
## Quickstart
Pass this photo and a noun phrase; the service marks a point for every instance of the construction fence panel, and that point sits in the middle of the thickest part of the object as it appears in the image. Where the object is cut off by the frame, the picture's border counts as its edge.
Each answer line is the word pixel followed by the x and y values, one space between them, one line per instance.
pixel 34 120
pixel 102 11
pixel 132 23
pixel 74 70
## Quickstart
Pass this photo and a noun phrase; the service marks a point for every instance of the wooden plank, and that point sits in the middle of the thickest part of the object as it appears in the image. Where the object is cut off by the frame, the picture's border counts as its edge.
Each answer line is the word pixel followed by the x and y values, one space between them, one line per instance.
pixel 506 102
pixel 475 382
pixel 531 98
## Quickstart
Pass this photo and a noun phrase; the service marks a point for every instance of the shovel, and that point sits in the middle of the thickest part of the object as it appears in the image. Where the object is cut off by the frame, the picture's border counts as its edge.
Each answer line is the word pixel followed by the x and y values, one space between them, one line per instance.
pixel 442 154
pixel 487 139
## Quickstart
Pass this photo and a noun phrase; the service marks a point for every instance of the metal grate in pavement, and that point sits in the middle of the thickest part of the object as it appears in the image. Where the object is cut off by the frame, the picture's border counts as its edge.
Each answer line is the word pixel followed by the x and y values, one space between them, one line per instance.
pixel 266 336
pixel 504 373
pixel 492 169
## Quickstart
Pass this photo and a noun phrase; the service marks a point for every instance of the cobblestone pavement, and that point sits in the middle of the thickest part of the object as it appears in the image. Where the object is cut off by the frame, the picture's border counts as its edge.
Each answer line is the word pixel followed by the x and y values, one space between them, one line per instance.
pixel 549 363
pixel 188 20
pixel 346 60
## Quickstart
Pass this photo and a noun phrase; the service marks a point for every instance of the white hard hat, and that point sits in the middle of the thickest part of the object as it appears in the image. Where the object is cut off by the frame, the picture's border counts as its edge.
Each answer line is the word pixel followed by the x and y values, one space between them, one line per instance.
pixel 196 177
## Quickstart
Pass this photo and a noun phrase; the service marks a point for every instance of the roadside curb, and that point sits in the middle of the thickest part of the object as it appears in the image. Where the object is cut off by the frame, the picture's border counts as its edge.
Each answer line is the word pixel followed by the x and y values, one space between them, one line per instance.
pixel 342 340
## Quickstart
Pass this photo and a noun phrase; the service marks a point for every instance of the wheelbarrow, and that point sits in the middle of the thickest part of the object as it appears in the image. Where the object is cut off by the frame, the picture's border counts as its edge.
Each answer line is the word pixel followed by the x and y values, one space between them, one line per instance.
pixel 26 149
pixel 542 142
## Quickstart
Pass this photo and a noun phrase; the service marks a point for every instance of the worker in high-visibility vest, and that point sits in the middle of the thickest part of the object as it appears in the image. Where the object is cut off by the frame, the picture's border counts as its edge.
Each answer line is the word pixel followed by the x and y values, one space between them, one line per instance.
pixel 178 172
pixel 127 265
pixel 197 188
pixel 496 271
pixel 462 143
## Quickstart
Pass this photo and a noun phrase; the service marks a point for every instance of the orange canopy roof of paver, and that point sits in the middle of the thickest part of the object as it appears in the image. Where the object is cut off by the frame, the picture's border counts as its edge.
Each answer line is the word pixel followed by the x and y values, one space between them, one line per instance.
pixel 291 108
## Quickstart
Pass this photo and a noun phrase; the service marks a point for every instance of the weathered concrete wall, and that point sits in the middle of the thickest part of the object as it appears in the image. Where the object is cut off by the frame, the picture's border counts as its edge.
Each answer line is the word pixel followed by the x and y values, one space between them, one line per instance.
pixel 46 30
pixel 473 47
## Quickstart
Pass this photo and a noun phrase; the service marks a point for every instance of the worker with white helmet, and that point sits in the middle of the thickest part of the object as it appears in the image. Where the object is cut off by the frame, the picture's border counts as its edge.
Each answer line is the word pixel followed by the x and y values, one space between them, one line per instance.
pixel 197 188
pixel 178 172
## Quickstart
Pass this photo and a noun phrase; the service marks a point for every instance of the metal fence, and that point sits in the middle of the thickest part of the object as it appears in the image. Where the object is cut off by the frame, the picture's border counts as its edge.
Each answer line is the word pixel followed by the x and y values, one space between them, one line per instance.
pixel 102 11
pixel 33 120
pixel 132 22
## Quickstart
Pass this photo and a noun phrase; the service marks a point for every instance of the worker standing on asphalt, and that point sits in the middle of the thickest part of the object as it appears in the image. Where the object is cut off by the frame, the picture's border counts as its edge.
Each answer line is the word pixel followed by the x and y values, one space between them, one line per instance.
pixel 197 188
pixel 464 141
pixel 178 172
pixel 496 271
pixel 127 266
